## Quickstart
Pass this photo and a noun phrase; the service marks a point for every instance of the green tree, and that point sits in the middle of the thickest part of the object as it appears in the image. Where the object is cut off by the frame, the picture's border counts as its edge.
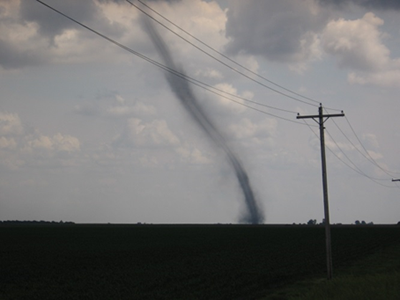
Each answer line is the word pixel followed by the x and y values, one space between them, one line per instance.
pixel 312 222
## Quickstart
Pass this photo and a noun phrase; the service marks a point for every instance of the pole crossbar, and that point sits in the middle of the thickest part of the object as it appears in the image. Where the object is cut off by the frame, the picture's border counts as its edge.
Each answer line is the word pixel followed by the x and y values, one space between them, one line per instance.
pixel 321 119
pixel 318 116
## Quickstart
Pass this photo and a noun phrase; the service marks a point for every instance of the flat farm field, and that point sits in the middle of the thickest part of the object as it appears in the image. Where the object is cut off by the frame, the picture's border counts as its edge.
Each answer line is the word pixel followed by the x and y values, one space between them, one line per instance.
pixel 174 261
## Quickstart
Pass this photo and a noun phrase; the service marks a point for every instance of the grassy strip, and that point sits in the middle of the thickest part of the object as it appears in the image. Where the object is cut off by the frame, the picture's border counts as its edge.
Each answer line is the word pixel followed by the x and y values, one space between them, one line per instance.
pixel 370 286
pixel 374 277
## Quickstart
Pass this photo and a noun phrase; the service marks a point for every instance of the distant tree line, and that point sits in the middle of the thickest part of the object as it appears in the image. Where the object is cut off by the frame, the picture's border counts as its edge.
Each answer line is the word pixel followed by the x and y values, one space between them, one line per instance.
pixel 357 222
pixel 11 222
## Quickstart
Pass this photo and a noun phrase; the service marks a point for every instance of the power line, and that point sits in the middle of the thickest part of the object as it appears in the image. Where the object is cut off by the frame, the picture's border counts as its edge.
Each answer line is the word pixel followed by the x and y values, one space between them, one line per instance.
pixel 226 57
pixel 368 156
pixel 357 169
pixel 237 96
pixel 256 74
pixel 369 159
pixel 215 50
pixel 366 151
pixel 213 90
pixel 174 72
pixel 349 166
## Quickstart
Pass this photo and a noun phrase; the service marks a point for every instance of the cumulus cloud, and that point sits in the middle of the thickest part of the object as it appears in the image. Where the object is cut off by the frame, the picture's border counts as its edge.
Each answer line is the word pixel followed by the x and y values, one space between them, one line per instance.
pixel 209 73
pixel 193 155
pixel 10 124
pixel 58 142
pixel 51 24
pixel 122 109
pixel 154 134
pixel 32 34
pixel 22 146
pixel 203 19
pixel 299 32
pixel 252 133
pixel 7 143
pixel 370 140
pixel 221 105
pixel 114 105
pixel 152 144
pixel 385 78
pixel 358 46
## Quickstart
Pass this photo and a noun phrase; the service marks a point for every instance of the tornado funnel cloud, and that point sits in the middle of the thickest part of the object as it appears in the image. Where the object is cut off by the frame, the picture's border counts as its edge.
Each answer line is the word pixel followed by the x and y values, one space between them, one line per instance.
pixel 182 90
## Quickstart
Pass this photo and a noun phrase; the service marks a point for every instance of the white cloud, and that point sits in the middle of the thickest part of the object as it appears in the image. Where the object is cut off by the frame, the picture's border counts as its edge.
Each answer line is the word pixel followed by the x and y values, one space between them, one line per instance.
pixel 222 104
pixel 310 46
pixel 58 142
pixel 384 78
pixel 209 73
pixel 370 140
pixel 66 143
pixel 192 155
pixel 147 134
pixel 358 46
pixel 19 146
pixel 10 124
pixel 249 61
pixel 44 37
pixel 248 131
pixel 374 155
pixel 7 143
pixel 205 20
pixel 32 34
pixel 115 106
pixel 42 142
pixel 123 110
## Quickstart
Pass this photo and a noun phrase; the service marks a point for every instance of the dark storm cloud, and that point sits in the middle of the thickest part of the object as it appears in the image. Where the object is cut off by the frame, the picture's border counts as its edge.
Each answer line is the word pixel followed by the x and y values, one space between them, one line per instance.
pixel 112 1
pixel 16 53
pixel 52 24
pixel 370 4
pixel 283 30
pixel 273 29
pixel 12 57
pixel 146 1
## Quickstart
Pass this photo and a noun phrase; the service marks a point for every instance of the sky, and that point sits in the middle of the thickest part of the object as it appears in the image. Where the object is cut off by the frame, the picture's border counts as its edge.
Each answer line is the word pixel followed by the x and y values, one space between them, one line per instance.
pixel 92 133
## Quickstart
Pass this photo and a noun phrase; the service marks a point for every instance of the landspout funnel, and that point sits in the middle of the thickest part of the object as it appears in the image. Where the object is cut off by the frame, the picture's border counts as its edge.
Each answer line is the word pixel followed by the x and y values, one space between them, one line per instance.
pixel 182 90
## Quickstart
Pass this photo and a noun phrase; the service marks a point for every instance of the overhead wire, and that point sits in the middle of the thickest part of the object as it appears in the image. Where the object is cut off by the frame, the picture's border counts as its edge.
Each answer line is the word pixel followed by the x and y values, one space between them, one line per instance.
pixel 348 165
pixel 218 91
pixel 358 170
pixel 175 72
pixel 351 162
pixel 367 156
pixel 215 50
pixel 226 57
pixel 366 151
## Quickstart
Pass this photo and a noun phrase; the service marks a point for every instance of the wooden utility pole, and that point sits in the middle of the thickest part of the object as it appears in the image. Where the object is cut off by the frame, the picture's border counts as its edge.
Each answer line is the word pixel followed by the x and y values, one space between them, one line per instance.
pixel 320 119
